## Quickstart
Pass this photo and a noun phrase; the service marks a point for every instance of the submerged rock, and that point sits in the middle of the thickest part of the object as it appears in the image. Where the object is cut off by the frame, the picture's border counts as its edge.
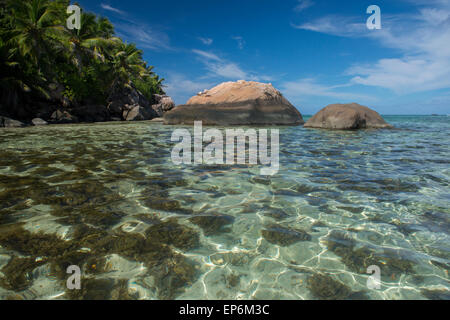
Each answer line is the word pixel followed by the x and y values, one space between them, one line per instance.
pixel 212 225
pixel 171 232
pixel 237 103
pixel 284 237
pixel 359 259
pixel 17 273
pixel 324 287
pixel 346 117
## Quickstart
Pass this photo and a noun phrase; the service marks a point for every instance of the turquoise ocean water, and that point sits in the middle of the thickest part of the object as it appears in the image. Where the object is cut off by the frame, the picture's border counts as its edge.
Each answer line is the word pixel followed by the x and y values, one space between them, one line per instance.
pixel 107 197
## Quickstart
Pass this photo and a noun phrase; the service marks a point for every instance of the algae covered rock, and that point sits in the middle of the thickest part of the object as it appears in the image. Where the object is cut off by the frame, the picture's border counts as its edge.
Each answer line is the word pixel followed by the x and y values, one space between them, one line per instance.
pixel 171 232
pixel 214 224
pixel 284 237
pixel 17 273
pixel 359 259
pixel 324 287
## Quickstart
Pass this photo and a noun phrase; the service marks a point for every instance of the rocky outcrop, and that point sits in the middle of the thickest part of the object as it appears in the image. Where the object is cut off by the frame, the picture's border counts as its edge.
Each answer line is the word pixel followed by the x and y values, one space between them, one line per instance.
pixel 10 123
pixel 346 117
pixel 237 103
pixel 91 113
pixel 62 117
pixel 38 122
pixel 136 113
pixel 123 100
pixel 162 104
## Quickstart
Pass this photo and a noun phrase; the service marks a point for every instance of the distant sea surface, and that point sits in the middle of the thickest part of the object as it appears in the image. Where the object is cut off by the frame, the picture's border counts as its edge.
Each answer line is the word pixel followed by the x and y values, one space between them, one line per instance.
pixel 107 198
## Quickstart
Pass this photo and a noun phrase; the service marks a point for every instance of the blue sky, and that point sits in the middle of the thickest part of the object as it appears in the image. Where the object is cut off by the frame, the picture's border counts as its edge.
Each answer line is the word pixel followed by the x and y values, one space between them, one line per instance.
pixel 315 52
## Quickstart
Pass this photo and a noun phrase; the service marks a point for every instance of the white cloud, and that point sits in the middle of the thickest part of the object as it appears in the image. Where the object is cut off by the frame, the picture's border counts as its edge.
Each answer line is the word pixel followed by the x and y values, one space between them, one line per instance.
pixel 207 55
pixel 423 38
pixel 303 5
pixel 310 87
pixel 143 35
pixel 335 25
pixel 181 88
pixel 109 8
pixel 206 41
pixel 219 67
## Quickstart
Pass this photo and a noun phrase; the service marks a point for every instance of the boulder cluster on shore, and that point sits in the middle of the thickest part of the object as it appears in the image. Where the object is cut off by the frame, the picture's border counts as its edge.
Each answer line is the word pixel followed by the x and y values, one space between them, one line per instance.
pixel 230 103
pixel 124 104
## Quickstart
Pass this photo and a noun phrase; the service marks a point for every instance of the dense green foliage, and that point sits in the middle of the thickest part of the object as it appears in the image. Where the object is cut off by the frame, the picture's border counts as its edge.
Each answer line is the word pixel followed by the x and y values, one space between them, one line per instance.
pixel 38 53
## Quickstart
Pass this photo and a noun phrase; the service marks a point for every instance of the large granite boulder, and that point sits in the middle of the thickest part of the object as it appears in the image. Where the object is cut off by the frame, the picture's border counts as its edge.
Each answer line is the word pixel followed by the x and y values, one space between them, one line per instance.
pixel 346 117
pixel 10 123
pixel 237 103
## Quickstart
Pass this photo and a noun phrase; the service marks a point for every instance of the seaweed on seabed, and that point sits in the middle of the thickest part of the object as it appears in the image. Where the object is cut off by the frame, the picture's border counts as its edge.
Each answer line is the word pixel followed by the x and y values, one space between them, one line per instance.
pixel 101 289
pixel 436 294
pixel 324 287
pixel 14 237
pixel 164 204
pixel 170 232
pixel 358 260
pixel 17 273
pixel 172 271
pixel 213 224
pixel 173 275
pixel 284 237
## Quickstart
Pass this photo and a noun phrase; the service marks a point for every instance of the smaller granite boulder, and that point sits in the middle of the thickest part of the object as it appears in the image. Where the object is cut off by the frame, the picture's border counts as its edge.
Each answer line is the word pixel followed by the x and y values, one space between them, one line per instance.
pixel 346 117
pixel 135 113
pixel 38 122
pixel 62 117
pixel 10 123
pixel 162 104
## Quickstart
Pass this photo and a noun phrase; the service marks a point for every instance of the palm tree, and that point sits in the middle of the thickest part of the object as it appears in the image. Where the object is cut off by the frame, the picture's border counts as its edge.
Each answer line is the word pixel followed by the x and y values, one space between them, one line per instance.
pixel 127 64
pixel 14 81
pixel 90 41
pixel 34 23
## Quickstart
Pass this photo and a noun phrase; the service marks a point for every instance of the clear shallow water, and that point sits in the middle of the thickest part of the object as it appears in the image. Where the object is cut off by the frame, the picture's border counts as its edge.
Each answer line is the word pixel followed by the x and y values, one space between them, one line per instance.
pixel 106 197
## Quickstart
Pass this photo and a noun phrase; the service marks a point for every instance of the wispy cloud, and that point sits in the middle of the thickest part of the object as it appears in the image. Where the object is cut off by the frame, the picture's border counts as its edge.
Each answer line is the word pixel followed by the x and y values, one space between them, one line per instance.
pixel 207 55
pixel 206 41
pixel 240 41
pixel 220 67
pixel 335 25
pixel 112 9
pixel 145 36
pixel 308 87
pixel 303 5
pixel 181 88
